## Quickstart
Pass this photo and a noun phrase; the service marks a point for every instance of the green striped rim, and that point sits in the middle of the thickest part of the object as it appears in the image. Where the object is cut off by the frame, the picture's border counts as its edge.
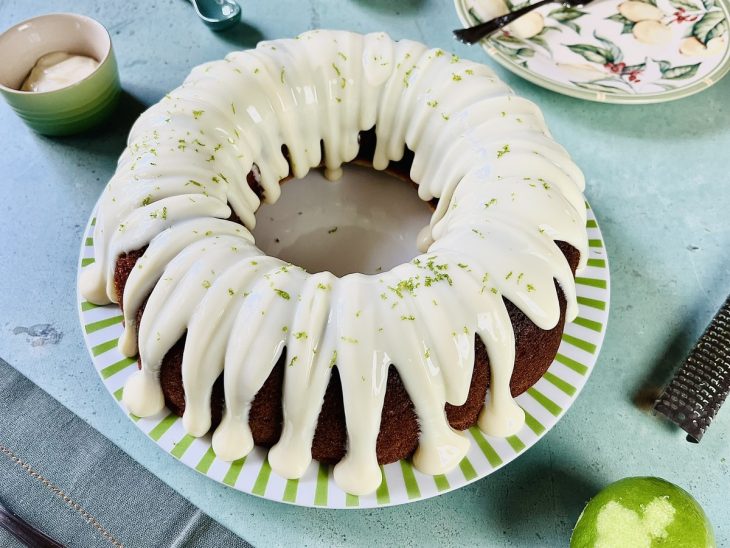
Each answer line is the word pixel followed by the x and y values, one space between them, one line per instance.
pixel 467 469
pixel 115 368
pixel 260 475
pixel 382 495
pixel 233 472
pixel 442 483
pixel 516 443
pixel 180 447
pixel 290 490
pixel 595 243
pixel 410 480
pixel 592 303
pixel 93 221
pixel 163 426
pixel 572 364
pixel 101 324
pixel 204 464
pixel 590 223
pixel 593 282
pixel 320 491
pixel 589 324
pixel 580 343
pixel 533 424
pixel 486 447
pixel 104 347
pixel 546 402
pixel 262 480
pixel 559 383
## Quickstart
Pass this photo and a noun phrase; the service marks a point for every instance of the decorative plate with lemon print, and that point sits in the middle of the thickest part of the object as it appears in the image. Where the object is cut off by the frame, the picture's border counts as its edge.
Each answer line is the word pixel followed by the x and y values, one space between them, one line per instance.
pixel 613 51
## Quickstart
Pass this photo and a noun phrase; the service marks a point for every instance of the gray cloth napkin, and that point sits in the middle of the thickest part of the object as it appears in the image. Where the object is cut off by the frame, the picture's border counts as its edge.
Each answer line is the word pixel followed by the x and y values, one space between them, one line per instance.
pixel 89 492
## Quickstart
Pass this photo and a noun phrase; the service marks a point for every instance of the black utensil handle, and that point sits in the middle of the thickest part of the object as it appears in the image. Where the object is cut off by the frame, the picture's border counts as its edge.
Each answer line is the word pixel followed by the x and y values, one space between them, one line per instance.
pixel 474 34
pixel 24 532
pixel 695 394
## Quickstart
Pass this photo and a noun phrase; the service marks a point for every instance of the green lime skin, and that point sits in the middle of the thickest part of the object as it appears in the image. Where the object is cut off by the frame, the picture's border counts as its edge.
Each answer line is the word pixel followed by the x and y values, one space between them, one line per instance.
pixel 643 512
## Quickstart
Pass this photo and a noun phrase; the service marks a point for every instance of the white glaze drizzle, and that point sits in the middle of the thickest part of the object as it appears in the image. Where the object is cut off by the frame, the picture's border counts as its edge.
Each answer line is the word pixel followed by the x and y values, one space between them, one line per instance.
pixel 506 191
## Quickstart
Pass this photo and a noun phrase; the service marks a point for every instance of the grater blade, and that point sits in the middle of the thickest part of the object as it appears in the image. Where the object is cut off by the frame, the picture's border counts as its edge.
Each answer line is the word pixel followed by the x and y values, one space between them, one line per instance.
pixel 694 396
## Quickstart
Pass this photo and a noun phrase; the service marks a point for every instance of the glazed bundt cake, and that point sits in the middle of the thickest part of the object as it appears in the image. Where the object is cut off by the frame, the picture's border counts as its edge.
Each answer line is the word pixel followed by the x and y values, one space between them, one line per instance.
pixel 359 370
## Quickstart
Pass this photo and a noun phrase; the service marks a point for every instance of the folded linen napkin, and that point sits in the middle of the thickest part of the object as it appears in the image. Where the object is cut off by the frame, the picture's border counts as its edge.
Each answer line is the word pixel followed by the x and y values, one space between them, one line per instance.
pixel 87 492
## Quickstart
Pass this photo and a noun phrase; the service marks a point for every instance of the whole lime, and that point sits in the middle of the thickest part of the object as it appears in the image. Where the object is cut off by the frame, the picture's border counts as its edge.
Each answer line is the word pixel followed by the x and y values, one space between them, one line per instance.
pixel 642 513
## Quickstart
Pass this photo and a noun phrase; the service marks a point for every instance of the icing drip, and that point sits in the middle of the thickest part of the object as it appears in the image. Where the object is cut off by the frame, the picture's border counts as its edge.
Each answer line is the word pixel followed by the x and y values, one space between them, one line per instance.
pixel 506 191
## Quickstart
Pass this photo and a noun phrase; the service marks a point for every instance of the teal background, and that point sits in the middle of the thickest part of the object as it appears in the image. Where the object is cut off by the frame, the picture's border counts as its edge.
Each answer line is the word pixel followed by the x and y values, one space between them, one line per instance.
pixel 657 180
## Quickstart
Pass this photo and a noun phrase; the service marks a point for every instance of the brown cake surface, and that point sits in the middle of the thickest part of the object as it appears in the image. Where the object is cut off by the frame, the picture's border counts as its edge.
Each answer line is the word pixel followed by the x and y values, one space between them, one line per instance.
pixel 399 430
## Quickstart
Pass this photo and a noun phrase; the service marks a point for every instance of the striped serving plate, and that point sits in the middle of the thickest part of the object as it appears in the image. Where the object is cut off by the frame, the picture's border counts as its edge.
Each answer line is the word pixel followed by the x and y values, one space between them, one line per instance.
pixel 544 404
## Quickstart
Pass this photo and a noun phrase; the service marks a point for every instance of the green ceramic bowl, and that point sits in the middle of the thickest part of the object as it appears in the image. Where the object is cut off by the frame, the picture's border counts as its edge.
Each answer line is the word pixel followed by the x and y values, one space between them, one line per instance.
pixel 71 109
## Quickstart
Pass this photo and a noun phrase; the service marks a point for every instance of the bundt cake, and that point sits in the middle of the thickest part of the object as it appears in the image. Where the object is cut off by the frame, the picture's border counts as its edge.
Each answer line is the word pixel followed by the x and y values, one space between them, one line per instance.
pixel 359 370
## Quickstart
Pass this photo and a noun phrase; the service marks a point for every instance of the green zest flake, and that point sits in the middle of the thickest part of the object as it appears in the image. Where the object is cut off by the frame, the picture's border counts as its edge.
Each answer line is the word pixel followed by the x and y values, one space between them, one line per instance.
pixel 337 70
pixel 253 263
pixel 342 55
pixel 408 285
pixel 456 77
pixel 445 117
pixel 504 150
pixel 211 159
pixel 439 53
pixel 231 292
pixel 350 340
pixel 466 330
pixel 434 302
pixel 217 147
pixel 284 329
pixel 181 144
pixel 508 276
pixel 338 99
pixel 293 360
pixel 410 317
pixel 206 284
pixel 380 329
pixel 159 214
pixel 147 201
pixel 197 113
pixel 384 296
pixel 192 182
pixel 433 103
pixel 233 108
pixel 283 294
pixel 323 287
pixel 332 230
pixel 454 58
pixel 223 177
pixel 519 278
pixel 122 227
pixel 427 353
pixel 208 233
pixel 282 75
pixel 407 76
pixel 503 114
pixel 334 359
pixel 357 314
pixel 469 72
pixel 494 290
pixel 491 202
pixel 462 265
pixel 300 335
pixel 530 288
pixel 256 70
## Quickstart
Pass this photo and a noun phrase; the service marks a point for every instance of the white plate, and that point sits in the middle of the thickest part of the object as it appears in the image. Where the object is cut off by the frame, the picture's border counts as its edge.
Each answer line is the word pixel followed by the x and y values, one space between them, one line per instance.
pixel 366 205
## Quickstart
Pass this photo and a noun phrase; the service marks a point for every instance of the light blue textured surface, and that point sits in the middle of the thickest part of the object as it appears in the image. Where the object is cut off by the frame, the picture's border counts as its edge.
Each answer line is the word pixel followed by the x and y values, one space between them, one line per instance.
pixel 657 179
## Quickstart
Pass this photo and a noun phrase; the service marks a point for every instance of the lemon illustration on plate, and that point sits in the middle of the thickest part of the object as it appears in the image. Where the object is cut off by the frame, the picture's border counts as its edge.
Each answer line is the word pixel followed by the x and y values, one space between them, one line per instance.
pixel 643 512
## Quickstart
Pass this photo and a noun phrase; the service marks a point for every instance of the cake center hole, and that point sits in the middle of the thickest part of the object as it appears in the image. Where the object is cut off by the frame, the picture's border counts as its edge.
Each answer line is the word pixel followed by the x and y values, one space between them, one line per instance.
pixel 367 221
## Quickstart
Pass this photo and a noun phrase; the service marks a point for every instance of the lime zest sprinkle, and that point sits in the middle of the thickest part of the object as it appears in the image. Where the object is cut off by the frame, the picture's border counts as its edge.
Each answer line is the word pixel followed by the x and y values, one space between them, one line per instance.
pixel 283 294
